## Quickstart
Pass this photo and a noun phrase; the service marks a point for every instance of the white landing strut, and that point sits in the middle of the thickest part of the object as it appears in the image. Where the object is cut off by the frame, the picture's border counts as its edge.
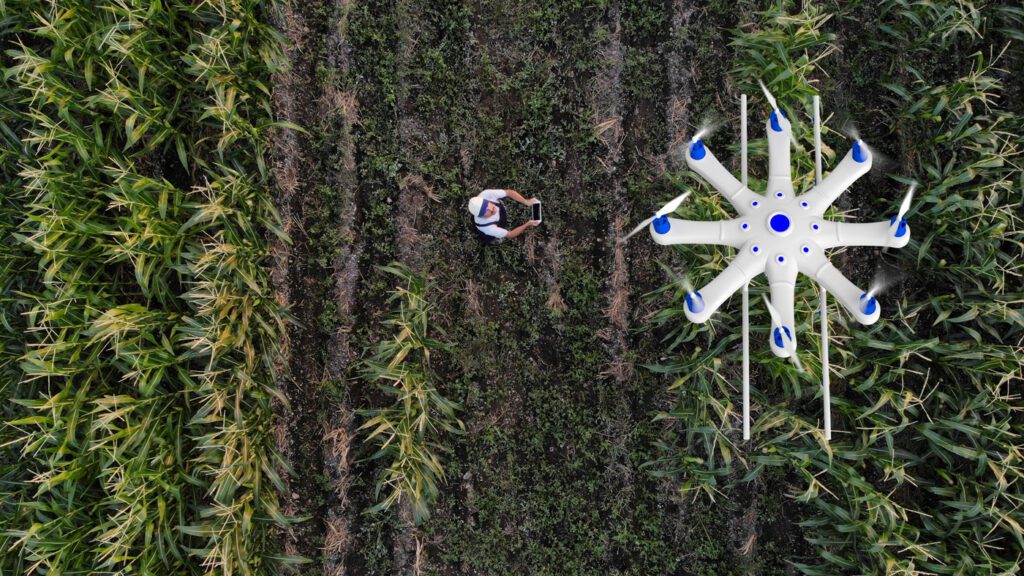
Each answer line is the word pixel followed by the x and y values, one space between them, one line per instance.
pixel 746 286
pixel 826 391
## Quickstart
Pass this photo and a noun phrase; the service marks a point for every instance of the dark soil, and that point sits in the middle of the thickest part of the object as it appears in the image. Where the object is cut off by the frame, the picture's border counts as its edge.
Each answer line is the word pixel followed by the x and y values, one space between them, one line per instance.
pixel 414 106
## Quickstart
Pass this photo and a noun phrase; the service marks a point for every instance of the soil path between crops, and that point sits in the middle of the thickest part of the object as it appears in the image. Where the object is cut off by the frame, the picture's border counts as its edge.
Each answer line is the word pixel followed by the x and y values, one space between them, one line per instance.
pixel 314 430
pixel 424 228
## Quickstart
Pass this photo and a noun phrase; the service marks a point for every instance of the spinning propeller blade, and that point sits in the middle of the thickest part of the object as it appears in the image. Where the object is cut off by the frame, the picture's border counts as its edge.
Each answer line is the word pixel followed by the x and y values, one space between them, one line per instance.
pixel 682 280
pixel 672 204
pixel 775 107
pixel 639 227
pixel 666 209
pixel 768 95
pixel 687 285
pixel 904 208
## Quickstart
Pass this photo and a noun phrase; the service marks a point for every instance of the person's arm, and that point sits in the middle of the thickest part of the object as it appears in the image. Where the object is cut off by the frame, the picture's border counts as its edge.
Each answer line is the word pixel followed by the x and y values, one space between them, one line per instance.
pixel 519 197
pixel 521 228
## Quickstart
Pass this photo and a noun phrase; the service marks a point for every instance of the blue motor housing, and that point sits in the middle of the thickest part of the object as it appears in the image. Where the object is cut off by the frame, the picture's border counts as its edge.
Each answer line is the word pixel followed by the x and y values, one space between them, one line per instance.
pixel 697 150
pixel 661 224
pixel 901 229
pixel 775 121
pixel 858 152
pixel 778 337
pixel 695 302
pixel 868 306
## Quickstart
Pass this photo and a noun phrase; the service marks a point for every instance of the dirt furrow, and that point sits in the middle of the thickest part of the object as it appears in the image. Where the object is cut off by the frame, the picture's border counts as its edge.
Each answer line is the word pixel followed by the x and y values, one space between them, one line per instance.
pixel 339 428
pixel 680 78
pixel 287 165
pixel 314 274
pixel 607 105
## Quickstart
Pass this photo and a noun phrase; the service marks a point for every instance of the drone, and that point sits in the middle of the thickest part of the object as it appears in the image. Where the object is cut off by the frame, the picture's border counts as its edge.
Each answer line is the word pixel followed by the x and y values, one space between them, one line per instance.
pixel 778 234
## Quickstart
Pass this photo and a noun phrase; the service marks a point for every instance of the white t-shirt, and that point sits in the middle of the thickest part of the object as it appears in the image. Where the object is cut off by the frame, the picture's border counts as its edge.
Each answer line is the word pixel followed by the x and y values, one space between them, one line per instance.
pixel 493 195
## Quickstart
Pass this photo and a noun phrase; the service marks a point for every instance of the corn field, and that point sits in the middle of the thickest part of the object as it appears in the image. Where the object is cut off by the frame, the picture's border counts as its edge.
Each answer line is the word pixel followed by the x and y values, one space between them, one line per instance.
pixel 204 369
pixel 140 331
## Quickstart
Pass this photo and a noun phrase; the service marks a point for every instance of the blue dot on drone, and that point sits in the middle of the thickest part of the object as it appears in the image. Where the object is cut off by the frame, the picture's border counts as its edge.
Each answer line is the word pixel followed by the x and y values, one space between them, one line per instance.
pixel 779 222
pixel 755 249
pixel 745 226
pixel 806 250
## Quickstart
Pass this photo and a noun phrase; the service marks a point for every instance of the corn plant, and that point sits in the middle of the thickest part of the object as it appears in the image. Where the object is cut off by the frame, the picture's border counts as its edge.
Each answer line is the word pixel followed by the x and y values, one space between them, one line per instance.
pixel 783 51
pixel 408 433
pixel 140 328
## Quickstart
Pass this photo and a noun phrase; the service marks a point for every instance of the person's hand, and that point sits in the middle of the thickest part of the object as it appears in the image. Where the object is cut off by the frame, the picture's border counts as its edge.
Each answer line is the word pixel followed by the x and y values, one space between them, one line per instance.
pixel 532 201
pixel 533 223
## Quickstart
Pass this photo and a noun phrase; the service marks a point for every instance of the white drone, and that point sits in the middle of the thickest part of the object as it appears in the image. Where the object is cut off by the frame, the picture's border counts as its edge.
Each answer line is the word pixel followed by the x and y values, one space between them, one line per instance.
pixel 778 234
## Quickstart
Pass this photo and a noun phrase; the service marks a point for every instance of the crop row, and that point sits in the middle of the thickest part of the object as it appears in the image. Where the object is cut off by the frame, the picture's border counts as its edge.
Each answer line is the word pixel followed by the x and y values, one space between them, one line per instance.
pixel 140 327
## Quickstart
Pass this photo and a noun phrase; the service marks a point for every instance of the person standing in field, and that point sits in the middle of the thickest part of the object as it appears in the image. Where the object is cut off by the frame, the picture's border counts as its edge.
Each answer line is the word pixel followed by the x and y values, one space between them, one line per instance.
pixel 489 214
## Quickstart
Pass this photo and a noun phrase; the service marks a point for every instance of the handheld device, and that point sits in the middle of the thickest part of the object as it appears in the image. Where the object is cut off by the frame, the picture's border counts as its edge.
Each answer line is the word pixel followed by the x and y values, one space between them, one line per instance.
pixel 537 215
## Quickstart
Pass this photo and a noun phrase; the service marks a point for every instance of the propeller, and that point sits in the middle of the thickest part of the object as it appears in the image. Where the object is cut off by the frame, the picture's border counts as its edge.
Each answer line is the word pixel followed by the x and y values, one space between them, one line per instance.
pixel 904 208
pixel 775 107
pixel 879 160
pixel 771 99
pixel 787 341
pixel 685 280
pixel 875 289
pixel 666 209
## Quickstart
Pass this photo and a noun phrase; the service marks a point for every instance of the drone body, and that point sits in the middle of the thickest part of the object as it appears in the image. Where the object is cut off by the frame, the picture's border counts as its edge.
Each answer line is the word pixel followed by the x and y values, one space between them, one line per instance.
pixel 781 233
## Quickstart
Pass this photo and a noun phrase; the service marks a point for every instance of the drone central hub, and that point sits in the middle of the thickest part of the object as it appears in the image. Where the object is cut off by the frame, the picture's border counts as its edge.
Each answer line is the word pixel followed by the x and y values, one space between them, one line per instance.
pixel 780 223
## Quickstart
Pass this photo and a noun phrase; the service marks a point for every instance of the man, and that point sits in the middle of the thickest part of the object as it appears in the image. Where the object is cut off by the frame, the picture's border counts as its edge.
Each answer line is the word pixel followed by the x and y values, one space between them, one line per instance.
pixel 489 214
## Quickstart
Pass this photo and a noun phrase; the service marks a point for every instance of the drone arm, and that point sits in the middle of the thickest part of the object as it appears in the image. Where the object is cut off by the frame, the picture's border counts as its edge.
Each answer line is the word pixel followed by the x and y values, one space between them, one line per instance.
pixel 845 174
pixel 745 266
pixel 711 170
pixel 782 283
pixel 815 265
pixel 722 233
pixel 882 234
pixel 779 176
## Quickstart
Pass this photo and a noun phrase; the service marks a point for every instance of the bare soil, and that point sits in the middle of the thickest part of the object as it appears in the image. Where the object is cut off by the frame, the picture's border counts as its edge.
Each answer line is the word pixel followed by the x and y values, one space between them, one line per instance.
pixel 410 108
